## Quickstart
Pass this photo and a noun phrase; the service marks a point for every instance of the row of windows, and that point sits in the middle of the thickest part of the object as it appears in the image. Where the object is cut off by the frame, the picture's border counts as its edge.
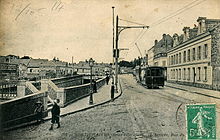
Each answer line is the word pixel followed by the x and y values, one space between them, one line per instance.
pixel 189 55
pixel 197 74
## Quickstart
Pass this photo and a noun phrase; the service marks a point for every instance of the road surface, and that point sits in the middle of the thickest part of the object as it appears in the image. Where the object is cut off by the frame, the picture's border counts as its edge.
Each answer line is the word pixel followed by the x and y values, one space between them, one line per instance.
pixel 140 113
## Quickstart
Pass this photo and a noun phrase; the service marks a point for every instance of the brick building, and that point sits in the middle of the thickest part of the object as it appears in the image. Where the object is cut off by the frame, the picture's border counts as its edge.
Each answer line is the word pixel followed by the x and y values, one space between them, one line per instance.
pixel 194 58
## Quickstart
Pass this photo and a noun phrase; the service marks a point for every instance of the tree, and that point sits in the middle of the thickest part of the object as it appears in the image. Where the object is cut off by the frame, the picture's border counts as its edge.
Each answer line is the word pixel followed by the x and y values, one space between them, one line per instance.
pixel 125 64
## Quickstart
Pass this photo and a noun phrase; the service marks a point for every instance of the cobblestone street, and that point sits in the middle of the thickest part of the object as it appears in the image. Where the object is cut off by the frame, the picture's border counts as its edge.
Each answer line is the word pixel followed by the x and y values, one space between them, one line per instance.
pixel 140 113
pixel 109 121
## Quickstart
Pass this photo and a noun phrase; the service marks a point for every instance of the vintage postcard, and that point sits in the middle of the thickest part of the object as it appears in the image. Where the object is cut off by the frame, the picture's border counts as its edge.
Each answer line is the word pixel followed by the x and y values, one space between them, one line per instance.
pixel 110 69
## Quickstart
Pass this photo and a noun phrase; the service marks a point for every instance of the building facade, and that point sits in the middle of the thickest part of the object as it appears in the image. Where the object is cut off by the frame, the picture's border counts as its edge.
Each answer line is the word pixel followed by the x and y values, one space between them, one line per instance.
pixel 157 55
pixel 194 58
pixel 150 54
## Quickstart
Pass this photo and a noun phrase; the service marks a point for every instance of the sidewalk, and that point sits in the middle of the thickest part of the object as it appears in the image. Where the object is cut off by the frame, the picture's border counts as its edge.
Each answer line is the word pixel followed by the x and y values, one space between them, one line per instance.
pixel 101 97
pixel 201 91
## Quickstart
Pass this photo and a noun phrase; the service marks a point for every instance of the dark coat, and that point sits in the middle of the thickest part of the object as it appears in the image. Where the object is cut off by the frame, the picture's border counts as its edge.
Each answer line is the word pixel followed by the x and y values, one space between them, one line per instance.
pixel 112 91
pixel 55 110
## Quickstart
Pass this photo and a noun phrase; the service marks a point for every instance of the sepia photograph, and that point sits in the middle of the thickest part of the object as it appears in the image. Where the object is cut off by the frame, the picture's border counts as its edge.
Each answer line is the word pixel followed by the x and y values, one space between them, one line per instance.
pixel 110 69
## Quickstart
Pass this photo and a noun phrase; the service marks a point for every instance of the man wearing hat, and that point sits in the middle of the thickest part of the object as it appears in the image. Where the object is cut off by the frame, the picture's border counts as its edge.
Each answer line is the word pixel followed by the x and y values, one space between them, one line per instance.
pixel 55 111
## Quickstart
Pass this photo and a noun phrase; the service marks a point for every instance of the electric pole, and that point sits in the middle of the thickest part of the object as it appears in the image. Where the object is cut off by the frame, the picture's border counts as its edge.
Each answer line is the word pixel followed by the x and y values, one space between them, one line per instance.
pixel 116 57
pixel 113 41
pixel 113 23
pixel 119 29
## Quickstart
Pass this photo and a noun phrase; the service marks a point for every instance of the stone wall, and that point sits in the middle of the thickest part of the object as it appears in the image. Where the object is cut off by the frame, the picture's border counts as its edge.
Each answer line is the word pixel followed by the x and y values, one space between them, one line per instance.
pixel 68 81
pixel 17 112
pixel 77 92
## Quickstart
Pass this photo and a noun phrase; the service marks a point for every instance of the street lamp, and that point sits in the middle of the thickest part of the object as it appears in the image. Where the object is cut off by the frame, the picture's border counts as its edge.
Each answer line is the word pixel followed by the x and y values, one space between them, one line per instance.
pixel 91 64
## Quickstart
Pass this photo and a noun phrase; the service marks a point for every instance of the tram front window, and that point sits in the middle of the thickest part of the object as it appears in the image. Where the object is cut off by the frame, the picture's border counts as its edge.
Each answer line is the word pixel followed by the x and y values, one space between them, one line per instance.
pixel 156 72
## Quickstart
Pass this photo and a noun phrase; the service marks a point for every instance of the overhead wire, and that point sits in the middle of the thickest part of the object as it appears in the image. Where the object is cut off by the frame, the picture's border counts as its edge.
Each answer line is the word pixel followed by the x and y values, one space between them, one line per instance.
pixel 186 7
pixel 164 19
pixel 131 21
pixel 134 23
pixel 176 11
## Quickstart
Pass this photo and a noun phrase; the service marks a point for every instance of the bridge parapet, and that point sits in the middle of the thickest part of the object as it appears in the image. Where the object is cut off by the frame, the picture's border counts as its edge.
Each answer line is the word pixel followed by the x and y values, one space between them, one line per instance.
pixel 75 93
pixel 70 94
pixel 19 111
pixel 68 81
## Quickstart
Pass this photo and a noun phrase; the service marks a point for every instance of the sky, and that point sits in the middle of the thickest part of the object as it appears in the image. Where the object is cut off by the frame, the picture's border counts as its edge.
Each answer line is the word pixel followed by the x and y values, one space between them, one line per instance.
pixel 83 29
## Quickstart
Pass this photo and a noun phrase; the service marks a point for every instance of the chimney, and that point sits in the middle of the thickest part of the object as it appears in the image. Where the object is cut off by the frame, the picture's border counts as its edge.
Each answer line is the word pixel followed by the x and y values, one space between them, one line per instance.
pixel 164 41
pixel 155 42
pixel 201 25
pixel 175 40
pixel 164 36
pixel 186 33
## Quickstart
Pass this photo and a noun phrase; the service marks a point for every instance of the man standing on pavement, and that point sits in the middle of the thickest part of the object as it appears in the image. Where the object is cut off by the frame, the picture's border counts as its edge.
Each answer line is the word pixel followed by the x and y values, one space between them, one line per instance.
pixel 112 91
pixel 107 79
pixel 55 112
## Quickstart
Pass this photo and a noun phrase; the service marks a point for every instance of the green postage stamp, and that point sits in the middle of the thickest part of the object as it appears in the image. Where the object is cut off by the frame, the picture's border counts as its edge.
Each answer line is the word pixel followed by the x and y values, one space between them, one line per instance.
pixel 201 121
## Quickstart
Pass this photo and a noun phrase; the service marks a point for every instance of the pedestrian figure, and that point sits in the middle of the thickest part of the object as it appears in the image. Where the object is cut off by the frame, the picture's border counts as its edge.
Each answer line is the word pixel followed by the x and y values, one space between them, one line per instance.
pixel 199 120
pixel 107 79
pixel 112 91
pixel 55 111
pixel 39 111
pixel 94 86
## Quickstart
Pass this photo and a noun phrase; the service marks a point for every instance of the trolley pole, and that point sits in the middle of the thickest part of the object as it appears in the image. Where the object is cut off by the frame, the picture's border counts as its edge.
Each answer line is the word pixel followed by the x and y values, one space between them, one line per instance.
pixel 119 29
pixel 113 24
pixel 116 56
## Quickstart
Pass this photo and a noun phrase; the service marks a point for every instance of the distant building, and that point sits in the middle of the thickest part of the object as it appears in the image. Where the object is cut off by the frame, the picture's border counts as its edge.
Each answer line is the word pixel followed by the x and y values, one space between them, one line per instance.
pixel 98 69
pixel 194 58
pixel 160 50
pixel 8 58
pixel 44 68
pixel 157 55
pixel 12 71
pixel 63 68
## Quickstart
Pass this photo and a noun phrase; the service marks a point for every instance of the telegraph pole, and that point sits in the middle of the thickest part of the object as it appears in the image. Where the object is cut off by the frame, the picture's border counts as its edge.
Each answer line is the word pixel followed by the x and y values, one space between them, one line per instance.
pixel 113 41
pixel 113 23
pixel 119 29
pixel 116 57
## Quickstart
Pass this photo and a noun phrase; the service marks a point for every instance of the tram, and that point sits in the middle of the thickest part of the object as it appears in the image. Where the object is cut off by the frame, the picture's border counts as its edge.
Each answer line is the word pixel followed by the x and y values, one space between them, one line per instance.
pixel 151 76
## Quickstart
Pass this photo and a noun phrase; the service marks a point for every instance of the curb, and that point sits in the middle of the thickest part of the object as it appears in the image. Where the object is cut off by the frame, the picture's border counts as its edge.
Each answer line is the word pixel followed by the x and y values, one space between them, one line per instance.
pixel 186 90
pixel 193 92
